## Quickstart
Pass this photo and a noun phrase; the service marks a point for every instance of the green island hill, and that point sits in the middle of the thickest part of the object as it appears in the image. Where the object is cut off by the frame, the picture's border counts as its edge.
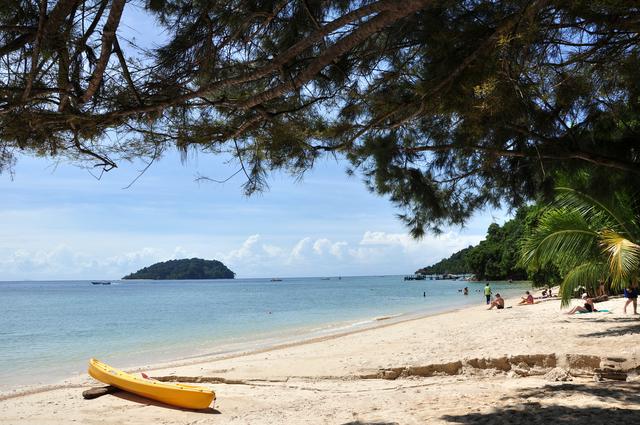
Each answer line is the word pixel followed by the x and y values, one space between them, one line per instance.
pixel 185 269
pixel 497 256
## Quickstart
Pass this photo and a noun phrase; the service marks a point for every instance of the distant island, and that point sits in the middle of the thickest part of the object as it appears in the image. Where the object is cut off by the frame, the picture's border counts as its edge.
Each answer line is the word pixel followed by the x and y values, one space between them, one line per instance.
pixel 185 269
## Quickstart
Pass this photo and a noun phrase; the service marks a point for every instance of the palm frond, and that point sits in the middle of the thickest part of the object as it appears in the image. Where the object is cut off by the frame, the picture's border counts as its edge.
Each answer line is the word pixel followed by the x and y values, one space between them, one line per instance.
pixel 624 206
pixel 563 237
pixel 585 275
pixel 597 212
pixel 623 256
pixel 593 238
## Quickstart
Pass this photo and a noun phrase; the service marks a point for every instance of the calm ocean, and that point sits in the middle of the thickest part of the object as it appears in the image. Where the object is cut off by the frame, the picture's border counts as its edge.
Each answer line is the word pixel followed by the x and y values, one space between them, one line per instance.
pixel 48 330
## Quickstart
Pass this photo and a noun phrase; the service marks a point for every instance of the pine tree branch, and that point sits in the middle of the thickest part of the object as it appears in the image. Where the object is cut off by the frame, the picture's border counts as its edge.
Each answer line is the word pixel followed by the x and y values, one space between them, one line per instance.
pixel 108 36
pixel 264 71
pixel 125 70
pixel 36 50
pixel 338 49
pixel 600 160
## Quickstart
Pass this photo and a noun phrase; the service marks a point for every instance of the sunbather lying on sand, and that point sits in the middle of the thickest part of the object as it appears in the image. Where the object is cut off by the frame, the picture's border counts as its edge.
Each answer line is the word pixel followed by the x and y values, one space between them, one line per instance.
pixel 588 306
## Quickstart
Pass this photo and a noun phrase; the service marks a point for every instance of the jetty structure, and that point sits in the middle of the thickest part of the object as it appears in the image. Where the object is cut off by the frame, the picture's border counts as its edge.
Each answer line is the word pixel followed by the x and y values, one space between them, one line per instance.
pixel 467 277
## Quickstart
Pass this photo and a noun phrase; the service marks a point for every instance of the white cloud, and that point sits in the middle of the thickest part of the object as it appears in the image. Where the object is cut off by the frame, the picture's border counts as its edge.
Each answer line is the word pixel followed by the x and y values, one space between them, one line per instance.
pixel 321 245
pixel 272 250
pixel 389 239
pixel 324 246
pixel 133 257
pixel 63 262
pixel 374 252
pixel 298 251
pixel 245 251
pixel 450 240
pixel 337 249
pixel 365 254
pixel 180 252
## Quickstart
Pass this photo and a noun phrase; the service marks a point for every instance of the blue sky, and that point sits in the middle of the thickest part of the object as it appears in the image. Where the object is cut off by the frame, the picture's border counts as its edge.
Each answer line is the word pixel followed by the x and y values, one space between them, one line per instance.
pixel 58 222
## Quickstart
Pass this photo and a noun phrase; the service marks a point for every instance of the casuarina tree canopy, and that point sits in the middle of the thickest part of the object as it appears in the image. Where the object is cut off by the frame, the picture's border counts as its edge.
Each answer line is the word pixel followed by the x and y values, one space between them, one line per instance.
pixel 444 106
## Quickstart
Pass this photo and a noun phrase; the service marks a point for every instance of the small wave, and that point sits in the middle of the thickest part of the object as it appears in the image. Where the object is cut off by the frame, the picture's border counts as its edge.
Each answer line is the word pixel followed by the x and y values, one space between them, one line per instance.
pixel 332 329
pixel 392 316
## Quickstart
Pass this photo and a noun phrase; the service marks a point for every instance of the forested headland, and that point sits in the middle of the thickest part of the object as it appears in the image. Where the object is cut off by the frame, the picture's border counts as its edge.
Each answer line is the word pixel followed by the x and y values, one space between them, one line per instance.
pixel 194 268
pixel 497 257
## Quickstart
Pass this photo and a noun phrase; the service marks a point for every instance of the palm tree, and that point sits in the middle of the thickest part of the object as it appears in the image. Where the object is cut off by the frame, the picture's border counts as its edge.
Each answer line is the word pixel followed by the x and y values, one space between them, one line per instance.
pixel 587 238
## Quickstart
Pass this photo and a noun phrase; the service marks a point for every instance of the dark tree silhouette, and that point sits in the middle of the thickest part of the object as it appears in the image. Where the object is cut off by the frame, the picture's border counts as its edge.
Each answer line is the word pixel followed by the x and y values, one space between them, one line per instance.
pixel 444 106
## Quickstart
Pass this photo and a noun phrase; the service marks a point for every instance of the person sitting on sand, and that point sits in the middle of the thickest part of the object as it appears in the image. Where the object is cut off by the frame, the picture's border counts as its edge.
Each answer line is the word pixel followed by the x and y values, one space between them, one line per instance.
pixel 497 303
pixel 526 300
pixel 587 308
pixel 631 294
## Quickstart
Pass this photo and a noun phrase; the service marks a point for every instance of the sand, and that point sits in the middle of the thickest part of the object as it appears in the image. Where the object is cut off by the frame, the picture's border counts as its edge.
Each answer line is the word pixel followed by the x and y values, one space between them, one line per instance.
pixel 526 364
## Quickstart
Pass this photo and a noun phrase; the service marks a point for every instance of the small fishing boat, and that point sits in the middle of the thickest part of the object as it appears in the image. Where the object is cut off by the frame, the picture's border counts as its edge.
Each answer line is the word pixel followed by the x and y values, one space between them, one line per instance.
pixel 101 282
pixel 181 395
pixel 275 279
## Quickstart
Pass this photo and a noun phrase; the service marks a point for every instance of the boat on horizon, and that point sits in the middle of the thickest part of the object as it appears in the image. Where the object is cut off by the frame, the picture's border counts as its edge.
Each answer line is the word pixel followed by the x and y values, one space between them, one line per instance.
pixel 100 282
pixel 275 279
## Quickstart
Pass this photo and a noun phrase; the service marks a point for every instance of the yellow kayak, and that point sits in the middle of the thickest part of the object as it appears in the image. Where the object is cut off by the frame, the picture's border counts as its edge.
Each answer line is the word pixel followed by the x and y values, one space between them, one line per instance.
pixel 187 396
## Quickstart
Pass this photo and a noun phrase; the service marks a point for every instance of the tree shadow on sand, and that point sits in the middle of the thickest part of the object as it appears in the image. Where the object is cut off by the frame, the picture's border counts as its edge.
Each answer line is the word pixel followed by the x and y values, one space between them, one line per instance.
pixel 370 423
pixel 609 392
pixel 605 318
pixel 619 331
pixel 534 413
pixel 142 400
pixel 622 394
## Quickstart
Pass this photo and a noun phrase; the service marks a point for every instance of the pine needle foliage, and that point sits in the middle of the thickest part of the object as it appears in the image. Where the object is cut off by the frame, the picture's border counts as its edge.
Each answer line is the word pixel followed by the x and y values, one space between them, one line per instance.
pixel 445 107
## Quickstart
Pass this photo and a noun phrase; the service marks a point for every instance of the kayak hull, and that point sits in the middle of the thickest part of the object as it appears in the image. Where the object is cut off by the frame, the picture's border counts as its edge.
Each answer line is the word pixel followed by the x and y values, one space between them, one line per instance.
pixel 180 395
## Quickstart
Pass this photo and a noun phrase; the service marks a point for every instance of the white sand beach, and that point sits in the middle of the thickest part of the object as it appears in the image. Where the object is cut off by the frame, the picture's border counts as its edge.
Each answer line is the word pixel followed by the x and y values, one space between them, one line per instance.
pixel 526 364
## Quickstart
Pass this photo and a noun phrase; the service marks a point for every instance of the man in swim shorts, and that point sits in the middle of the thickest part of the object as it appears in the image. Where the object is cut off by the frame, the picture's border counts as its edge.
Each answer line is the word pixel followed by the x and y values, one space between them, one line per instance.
pixel 497 303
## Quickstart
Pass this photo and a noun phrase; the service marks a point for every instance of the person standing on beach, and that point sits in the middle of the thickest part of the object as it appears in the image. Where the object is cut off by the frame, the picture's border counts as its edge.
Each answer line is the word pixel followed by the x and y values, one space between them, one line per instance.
pixel 487 293
pixel 631 294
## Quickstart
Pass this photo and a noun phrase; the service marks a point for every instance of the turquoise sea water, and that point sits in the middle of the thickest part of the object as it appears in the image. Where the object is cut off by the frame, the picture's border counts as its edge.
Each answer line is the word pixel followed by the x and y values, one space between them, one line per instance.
pixel 48 330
